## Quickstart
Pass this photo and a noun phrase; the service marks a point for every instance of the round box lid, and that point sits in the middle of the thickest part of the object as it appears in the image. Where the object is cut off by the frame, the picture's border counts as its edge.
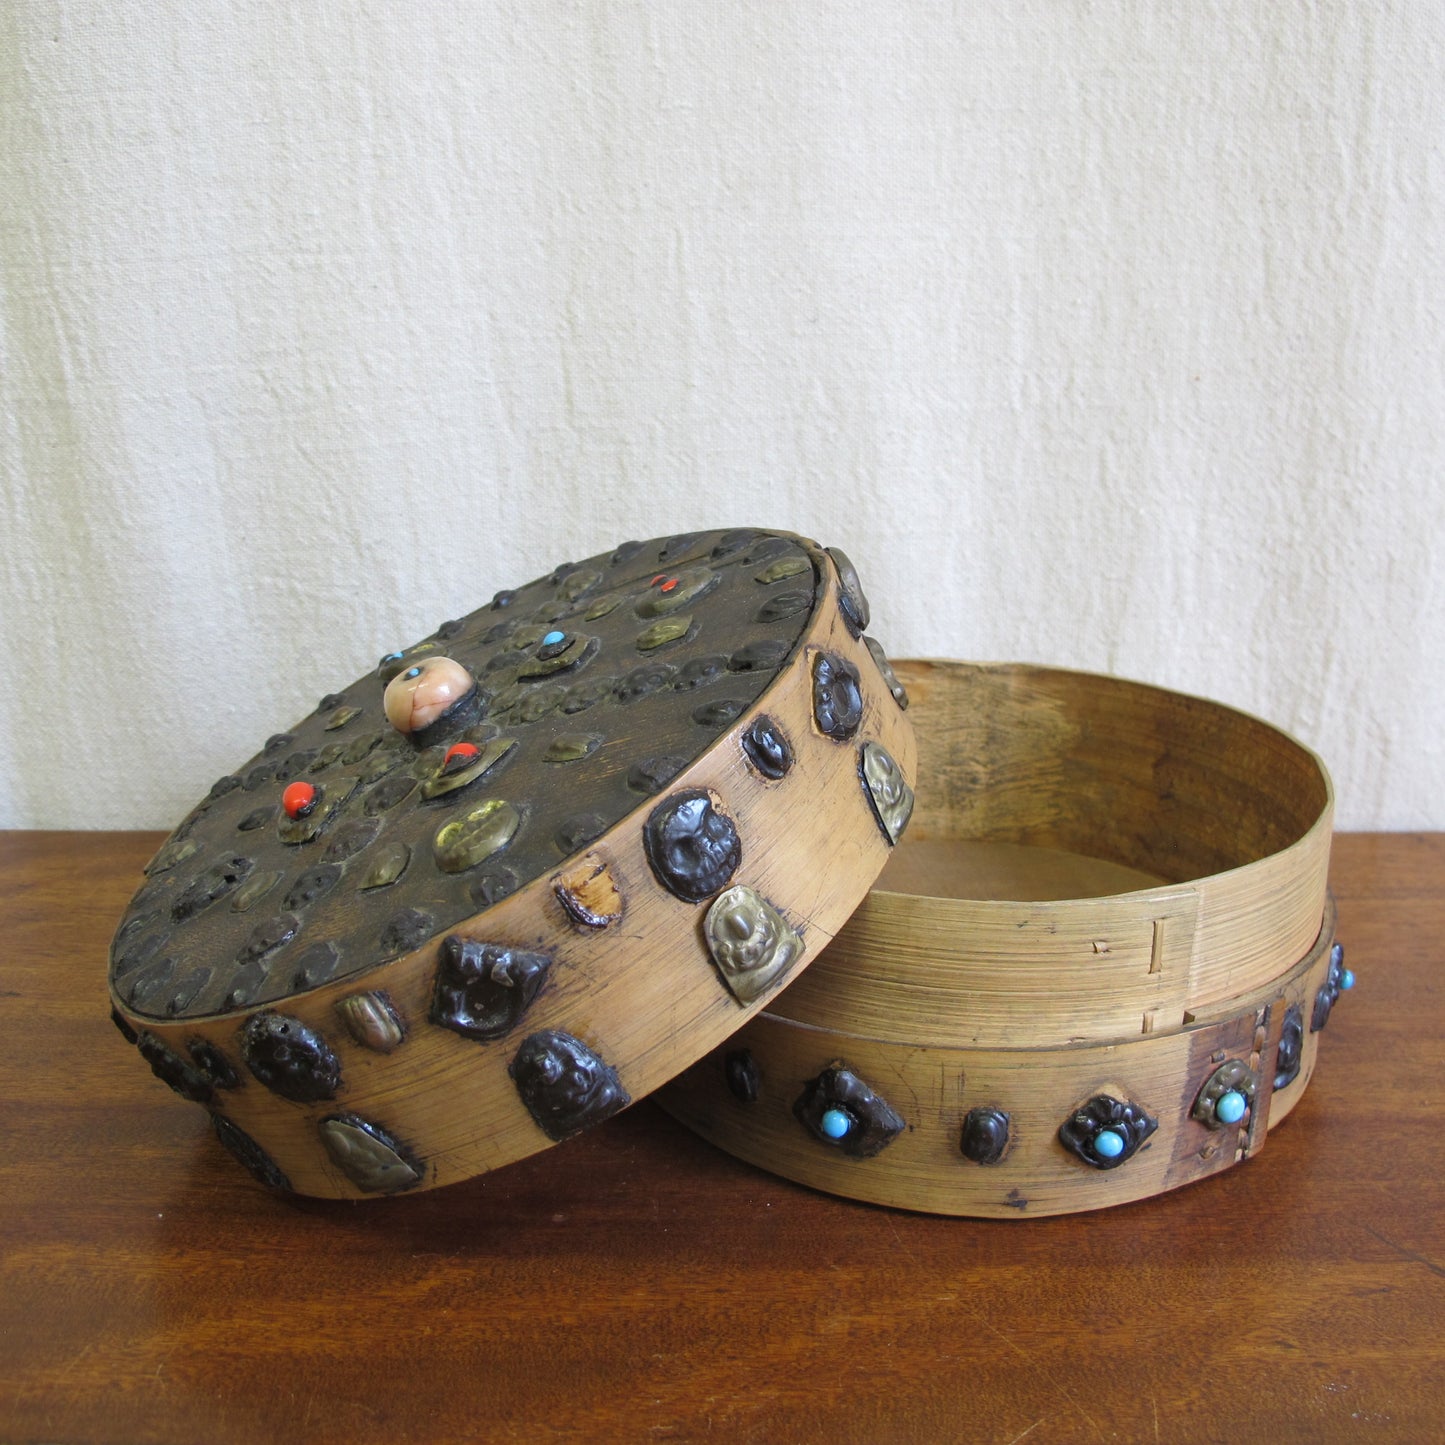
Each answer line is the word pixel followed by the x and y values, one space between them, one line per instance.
pixel 527 870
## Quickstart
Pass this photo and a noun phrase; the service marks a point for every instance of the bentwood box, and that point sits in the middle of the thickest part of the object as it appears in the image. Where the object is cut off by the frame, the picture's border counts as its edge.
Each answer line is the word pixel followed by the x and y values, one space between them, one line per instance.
pixel 607 832
pixel 525 872
pixel 1097 968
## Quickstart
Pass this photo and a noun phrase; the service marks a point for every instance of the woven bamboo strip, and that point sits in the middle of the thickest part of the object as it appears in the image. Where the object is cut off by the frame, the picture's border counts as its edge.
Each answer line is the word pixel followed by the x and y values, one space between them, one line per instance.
pixel 1231 818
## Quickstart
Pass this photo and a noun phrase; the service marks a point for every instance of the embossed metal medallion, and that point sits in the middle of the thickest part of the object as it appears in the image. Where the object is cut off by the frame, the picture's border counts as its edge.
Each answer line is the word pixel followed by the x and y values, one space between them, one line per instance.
pixel 839 1109
pixel 750 942
pixel 985 1135
pixel 483 989
pixel 887 789
pixel 1105 1132
pixel 368 1155
pixel 1226 1095
pixel 1290 1053
pixel 564 1085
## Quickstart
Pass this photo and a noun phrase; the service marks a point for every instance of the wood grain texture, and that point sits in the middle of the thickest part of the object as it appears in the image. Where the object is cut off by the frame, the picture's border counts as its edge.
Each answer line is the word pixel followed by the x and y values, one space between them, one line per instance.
pixel 934 1088
pixel 635 1283
pixel 1231 814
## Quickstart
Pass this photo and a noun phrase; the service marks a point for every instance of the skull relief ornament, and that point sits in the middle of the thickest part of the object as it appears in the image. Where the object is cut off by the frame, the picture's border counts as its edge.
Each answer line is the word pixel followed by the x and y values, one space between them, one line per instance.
pixel 750 942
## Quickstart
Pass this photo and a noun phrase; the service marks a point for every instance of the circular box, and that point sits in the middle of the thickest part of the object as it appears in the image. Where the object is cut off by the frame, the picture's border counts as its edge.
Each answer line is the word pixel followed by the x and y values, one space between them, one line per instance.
pixel 526 870
pixel 1109 913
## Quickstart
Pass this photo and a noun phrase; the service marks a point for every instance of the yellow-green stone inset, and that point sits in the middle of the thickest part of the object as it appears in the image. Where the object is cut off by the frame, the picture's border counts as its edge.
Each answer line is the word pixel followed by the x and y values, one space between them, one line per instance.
pixel 467 841
pixel 387 865
pixel 784 567
pixel 572 747
pixel 668 629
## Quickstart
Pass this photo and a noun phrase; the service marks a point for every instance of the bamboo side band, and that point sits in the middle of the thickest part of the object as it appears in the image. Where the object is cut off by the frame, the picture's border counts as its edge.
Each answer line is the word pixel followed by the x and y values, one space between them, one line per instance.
pixel 953 1011
pixel 1234 815
pixel 935 1089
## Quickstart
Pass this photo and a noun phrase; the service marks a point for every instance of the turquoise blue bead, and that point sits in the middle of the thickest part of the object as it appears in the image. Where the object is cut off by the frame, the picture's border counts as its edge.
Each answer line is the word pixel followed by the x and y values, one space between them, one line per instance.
pixel 1108 1143
pixel 1347 978
pixel 1229 1108
pixel 836 1123
pixel 552 638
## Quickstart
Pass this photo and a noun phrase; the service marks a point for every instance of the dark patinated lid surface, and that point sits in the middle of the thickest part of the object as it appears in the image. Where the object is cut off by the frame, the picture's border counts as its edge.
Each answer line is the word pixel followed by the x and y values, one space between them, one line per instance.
pixel 526 870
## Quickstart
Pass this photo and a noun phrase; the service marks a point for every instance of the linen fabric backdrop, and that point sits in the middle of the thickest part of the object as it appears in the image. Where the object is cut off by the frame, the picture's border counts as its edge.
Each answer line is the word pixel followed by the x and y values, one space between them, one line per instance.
pixel 1105 336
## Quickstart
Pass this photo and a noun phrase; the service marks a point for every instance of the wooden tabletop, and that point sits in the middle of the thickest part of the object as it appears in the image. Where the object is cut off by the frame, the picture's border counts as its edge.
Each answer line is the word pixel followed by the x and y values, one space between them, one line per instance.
pixel 635 1284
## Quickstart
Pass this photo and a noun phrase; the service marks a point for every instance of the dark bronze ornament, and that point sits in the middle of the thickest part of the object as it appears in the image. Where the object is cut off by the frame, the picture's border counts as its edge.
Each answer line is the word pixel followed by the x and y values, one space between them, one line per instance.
pixel 147 987
pixel 493 884
pixel 246 984
pixel 314 965
pixel 172 1070
pixel 1105 1132
pixel 767 654
pixel 267 936
pixel 744 1078
pixel 289 1058
pixel 255 888
pixel 214 883
pixel 699 671
pixel 350 838
pixel 837 698
pixel 564 1085
pixel 784 604
pixel 692 845
pixel 1290 1053
pixel 731 544
pixel 985 1135
pixel 840 1110
pixel 643 681
pixel 483 989
pixel 767 748
pixel 314 883
pixel 652 775
pixel 406 930
pixel 256 1161
pixel 578 831
pixel 213 1064
pixel 1337 980
pixel 172 855
pixel 719 713
pixel 186 988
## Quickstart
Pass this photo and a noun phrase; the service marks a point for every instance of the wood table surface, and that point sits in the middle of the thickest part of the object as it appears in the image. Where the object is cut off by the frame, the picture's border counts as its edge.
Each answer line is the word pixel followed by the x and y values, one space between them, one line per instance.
pixel 636 1284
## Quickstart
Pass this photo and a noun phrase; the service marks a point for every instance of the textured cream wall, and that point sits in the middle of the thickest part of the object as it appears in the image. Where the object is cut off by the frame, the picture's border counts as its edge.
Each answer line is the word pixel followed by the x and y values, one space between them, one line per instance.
pixel 1101 335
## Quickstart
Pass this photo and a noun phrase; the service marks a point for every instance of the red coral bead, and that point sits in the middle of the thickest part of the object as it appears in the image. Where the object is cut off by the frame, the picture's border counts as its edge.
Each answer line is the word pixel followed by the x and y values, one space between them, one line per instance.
pixel 299 799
